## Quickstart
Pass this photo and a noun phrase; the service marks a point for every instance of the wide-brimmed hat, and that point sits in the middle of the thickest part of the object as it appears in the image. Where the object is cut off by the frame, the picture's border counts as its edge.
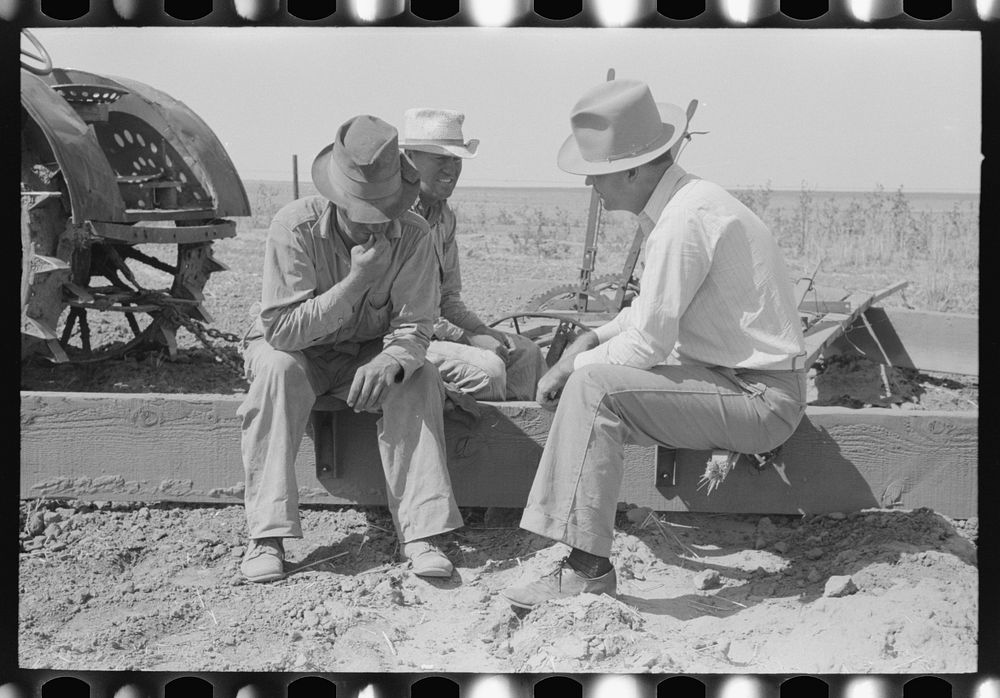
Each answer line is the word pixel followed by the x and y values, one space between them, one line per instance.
pixel 364 173
pixel 436 131
pixel 617 126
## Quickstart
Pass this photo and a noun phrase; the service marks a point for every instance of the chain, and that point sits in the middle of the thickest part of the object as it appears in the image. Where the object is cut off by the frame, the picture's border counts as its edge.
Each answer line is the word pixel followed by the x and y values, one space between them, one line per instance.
pixel 199 330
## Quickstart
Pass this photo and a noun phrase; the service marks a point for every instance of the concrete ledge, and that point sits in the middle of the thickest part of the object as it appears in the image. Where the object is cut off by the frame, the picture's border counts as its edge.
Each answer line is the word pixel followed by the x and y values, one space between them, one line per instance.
pixel 187 448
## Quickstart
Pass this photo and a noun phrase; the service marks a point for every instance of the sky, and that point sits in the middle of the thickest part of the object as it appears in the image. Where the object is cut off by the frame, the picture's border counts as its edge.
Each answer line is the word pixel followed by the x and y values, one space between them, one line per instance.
pixel 824 108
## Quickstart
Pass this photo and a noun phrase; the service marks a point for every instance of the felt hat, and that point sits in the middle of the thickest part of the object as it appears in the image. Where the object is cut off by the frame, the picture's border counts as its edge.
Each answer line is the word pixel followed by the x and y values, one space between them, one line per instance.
pixel 437 131
pixel 617 126
pixel 364 173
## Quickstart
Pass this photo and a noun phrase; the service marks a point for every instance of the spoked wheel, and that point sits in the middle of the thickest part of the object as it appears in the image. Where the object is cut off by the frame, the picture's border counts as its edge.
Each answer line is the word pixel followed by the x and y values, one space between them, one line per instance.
pixel 38 61
pixel 600 296
pixel 553 332
pixel 141 306
pixel 86 299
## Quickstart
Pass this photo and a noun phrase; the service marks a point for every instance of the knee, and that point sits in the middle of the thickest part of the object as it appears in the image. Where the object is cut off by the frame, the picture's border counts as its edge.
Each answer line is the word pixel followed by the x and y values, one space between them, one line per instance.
pixel 425 379
pixel 492 368
pixel 591 380
pixel 280 368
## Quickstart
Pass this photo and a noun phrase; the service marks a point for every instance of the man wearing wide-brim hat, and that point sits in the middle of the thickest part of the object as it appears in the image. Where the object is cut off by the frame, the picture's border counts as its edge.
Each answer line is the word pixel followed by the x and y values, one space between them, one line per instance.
pixel 707 356
pixel 474 358
pixel 348 302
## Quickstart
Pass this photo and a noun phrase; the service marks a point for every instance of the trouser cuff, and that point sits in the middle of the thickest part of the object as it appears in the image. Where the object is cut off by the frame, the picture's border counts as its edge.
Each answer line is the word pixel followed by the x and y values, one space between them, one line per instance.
pixel 539 522
pixel 433 525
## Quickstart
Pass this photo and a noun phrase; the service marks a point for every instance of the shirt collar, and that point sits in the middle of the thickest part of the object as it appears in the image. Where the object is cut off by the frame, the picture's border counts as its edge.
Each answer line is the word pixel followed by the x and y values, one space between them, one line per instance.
pixel 665 189
pixel 430 212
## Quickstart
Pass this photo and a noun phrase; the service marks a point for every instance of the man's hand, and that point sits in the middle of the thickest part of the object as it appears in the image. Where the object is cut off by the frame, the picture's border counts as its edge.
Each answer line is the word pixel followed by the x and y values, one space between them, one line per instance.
pixel 551 384
pixel 491 340
pixel 370 260
pixel 372 383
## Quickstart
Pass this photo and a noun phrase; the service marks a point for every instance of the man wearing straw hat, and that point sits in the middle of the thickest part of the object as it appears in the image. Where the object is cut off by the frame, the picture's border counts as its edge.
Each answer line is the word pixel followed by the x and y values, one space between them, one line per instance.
pixel 478 360
pixel 348 303
pixel 708 355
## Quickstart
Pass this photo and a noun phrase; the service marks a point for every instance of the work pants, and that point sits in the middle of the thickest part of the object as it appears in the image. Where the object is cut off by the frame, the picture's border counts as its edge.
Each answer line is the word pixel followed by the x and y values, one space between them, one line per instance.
pixel 574 495
pixel 284 385
pixel 483 375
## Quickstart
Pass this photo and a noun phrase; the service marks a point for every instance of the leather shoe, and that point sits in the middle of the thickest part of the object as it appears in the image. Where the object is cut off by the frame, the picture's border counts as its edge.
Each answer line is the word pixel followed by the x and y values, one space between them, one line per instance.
pixel 561 583
pixel 264 560
pixel 426 559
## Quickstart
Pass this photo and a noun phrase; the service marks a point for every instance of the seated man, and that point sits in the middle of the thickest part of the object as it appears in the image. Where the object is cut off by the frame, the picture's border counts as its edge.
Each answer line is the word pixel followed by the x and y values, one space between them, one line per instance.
pixel 478 360
pixel 348 303
pixel 707 356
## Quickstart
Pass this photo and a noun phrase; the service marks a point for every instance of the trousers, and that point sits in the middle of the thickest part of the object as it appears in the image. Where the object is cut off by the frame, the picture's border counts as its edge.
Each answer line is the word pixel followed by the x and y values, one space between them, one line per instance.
pixel 274 414
pixel 574 495
pixel 483 375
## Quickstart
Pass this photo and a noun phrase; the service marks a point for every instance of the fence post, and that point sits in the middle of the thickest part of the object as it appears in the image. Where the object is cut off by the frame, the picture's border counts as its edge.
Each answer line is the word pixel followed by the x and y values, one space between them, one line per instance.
pixel 295 177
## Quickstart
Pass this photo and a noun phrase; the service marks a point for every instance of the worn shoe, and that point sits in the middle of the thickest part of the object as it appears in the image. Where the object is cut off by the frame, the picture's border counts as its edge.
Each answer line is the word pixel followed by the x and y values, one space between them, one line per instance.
pixel 264 560
pixel 426 559
pixel 562 582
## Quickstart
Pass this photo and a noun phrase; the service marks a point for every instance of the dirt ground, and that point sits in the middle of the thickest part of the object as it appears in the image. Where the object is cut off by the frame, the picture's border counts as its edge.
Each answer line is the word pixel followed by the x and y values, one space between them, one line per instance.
pixel 845 381
pixel 156 587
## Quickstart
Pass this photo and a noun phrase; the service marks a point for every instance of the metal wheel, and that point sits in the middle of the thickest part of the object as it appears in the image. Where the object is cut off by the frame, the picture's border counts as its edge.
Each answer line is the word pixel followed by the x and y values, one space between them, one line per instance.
pixel 85 299
pixel 42 56
pixel 600 296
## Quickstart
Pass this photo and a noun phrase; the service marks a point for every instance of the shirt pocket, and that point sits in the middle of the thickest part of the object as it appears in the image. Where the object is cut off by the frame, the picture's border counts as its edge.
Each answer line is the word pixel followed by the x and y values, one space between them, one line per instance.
pixel 375 312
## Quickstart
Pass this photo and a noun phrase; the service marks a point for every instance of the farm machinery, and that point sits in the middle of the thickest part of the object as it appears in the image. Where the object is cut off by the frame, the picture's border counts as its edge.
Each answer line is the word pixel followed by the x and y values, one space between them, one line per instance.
pixel 554 317
pixel 124 189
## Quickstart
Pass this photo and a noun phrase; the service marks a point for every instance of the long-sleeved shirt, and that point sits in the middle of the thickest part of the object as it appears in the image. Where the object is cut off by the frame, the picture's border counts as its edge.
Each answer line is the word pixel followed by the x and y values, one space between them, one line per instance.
pixel 454 316
pixel 714 290
pixel 302 307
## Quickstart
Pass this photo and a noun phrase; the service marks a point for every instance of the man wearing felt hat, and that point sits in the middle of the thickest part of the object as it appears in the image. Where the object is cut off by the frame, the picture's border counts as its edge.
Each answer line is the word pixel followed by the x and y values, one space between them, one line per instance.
pixel 707 356
pixel 348 303
pixel 477 360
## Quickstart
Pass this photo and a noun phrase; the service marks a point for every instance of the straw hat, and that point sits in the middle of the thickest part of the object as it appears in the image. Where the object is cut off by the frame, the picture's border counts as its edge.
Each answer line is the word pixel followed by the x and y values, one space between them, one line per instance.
pixel 437 131
pixel 617 126
pixel 364 173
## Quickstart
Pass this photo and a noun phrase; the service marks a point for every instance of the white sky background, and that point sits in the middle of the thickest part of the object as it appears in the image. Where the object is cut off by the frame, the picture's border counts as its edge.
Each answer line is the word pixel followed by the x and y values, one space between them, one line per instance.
pixel 833 109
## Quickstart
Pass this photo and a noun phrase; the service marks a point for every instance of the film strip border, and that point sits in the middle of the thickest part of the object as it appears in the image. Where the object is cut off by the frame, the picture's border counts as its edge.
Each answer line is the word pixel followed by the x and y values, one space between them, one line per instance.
pixel 957 14
pixel 502 686
pixel 895 14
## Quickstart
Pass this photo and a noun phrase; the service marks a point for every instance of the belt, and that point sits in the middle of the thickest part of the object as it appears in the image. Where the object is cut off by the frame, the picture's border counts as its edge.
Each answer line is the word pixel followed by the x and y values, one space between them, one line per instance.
pixel 792 363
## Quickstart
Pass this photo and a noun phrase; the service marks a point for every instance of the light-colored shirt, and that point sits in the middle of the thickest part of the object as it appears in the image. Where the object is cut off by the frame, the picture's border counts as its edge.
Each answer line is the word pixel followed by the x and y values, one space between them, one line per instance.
pixel 714 290
pixel 454 317
pixel 303 309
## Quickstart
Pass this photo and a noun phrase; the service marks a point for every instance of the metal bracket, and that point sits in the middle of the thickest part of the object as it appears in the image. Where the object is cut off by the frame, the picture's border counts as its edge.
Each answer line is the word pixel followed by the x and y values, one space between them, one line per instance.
pixel 666 467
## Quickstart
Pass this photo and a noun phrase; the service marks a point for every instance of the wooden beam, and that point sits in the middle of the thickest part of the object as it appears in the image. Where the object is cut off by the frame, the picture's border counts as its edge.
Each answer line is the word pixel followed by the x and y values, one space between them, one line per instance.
pixel 150 447
pixel 928 341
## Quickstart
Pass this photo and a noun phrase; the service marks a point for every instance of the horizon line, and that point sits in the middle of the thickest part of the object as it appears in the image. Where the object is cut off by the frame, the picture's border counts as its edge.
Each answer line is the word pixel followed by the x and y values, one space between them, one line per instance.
pixel 541 184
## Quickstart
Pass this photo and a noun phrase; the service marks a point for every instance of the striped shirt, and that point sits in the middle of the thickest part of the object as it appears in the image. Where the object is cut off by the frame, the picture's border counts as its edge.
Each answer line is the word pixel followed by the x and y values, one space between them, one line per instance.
pixel 714 291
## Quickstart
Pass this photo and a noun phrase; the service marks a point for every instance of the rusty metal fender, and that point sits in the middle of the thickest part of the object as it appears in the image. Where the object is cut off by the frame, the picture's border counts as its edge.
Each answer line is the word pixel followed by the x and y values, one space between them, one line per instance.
pixel 207 152
pixel 92 184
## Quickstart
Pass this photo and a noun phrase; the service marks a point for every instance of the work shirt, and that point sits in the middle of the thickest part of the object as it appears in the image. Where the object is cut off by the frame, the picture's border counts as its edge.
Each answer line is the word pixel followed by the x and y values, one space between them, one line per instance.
pixel 302 308
pixel 714 290
pixel 454 316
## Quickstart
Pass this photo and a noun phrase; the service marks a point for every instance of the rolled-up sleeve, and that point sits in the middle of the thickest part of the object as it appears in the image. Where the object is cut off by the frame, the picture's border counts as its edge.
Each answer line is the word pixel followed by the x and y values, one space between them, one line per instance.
pixel 678 257
pixel 414 297
pixel 292 314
